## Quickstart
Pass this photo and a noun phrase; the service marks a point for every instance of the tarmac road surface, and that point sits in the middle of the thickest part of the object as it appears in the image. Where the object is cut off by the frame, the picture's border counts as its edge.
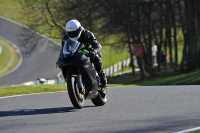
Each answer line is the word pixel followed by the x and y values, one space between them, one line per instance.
pixel 41 63
pixel 154 109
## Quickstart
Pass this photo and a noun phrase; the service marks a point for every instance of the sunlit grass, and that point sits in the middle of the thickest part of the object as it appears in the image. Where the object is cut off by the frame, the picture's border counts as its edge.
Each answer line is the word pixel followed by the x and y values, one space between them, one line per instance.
pixel 13 10
pixel 183 79
pixel 9 58
pixel 27 89
pixel 195 131
pixel 110 56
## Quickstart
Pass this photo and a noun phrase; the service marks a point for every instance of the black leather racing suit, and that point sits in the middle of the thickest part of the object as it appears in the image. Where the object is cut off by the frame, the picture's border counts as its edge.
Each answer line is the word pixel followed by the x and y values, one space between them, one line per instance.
pixel 90 42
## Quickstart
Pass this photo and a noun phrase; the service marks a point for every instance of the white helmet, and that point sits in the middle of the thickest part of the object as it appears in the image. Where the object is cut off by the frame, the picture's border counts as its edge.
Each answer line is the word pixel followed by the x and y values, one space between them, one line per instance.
pixel 73 29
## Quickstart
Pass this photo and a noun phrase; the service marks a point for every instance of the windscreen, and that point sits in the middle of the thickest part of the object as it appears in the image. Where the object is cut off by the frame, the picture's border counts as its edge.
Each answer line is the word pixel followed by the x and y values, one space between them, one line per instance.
pixel 70 48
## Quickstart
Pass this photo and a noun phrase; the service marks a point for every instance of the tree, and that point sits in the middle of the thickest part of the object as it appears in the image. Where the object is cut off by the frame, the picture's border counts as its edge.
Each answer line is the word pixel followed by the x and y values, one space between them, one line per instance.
pixel 191 35
pixel 148 22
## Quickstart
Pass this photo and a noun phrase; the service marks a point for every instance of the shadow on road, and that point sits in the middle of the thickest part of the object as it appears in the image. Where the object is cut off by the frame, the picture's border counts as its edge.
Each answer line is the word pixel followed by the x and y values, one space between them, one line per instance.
pixel 38 111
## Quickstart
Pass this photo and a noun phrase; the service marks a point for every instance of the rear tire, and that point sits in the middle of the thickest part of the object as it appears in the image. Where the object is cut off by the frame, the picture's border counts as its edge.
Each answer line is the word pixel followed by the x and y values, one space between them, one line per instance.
pixel 77 99
pixel 101 99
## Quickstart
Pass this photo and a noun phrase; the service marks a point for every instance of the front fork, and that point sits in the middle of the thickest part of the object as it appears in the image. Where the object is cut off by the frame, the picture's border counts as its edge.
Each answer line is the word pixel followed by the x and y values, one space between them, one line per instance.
pixel 79 81
pixel 75 71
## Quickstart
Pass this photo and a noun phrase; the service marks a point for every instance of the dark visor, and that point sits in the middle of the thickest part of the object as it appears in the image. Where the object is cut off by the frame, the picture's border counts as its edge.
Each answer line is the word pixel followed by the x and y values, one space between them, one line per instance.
pixel 73 34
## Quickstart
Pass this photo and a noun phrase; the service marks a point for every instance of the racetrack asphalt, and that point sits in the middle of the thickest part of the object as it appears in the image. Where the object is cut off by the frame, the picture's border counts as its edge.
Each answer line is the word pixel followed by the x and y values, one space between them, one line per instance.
pixel 147 109
pixel 41 63
pixel 150 109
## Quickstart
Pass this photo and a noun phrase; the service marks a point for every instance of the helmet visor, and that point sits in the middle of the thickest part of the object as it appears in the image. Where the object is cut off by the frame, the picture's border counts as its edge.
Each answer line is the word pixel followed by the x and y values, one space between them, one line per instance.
pixel 73 34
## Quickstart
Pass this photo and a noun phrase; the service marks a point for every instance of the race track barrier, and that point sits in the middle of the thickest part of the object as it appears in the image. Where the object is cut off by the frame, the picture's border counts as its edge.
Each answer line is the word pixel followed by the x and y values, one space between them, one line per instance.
pixel 118 66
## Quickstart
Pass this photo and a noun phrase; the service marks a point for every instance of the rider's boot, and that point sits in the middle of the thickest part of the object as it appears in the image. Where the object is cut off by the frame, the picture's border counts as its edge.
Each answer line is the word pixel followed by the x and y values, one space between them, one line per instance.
pixel 103 79
pixel 99 68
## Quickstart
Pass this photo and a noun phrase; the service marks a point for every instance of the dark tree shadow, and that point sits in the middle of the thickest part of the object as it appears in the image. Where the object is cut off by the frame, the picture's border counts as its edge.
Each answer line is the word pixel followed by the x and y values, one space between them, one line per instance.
pixel 30 41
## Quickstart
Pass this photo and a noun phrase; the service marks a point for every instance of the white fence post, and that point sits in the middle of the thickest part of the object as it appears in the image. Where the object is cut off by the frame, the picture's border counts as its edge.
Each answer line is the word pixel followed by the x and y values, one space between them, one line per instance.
pixel 114 68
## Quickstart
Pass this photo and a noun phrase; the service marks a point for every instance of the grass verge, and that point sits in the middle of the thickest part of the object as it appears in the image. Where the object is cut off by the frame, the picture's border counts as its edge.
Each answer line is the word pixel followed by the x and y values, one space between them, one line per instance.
pixel 183 79
pixel 195 132
pixel 191 78
pixel 11 9
pixel 28 89
pixel 110 55
pixel 9 58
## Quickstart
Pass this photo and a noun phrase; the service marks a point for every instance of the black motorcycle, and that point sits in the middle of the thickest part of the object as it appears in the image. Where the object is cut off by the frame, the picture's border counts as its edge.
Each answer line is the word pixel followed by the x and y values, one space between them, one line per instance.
pixel 80 75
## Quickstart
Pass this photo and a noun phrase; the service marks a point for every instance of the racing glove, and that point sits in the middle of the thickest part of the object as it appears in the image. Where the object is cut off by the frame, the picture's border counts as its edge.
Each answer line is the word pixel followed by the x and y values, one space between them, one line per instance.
pixel 92 54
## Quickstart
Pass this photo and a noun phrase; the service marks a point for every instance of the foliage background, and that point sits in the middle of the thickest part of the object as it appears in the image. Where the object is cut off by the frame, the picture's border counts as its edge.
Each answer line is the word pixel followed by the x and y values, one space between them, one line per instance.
pixel 174 26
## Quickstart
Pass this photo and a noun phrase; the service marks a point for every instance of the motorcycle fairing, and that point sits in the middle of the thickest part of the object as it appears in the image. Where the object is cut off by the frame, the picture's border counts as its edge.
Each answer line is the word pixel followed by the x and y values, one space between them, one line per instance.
pixel 71 59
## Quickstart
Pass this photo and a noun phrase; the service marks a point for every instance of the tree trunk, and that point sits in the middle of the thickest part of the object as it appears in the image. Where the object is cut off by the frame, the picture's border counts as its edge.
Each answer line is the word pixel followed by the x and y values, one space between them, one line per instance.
pixel 193 55
pixel 174 34
pixel 139 59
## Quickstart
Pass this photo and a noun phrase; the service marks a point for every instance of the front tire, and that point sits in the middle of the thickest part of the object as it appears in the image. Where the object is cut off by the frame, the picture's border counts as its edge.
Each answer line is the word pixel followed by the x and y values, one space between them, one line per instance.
pixel 77 99
pixel 101 99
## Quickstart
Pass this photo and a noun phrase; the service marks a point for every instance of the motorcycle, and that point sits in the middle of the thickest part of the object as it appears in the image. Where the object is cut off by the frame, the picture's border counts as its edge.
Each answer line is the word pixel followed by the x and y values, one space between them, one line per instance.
pixel 80 75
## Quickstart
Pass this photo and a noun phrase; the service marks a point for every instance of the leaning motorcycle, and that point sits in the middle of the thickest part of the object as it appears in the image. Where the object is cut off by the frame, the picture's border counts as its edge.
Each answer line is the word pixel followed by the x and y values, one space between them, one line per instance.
pixel 80 75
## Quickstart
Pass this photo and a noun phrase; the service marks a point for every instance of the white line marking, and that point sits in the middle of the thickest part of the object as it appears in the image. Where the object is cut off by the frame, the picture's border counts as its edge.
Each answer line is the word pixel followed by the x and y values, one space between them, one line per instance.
pixel 188 130
pixel 31 94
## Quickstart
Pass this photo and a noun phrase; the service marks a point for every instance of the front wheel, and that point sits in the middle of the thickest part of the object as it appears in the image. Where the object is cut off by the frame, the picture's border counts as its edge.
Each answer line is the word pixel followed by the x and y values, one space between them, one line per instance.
pixel 75 96
pixel 101 99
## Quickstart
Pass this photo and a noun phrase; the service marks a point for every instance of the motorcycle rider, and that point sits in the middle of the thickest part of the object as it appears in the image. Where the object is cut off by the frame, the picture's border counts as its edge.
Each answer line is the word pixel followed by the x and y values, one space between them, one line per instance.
pixel 76 32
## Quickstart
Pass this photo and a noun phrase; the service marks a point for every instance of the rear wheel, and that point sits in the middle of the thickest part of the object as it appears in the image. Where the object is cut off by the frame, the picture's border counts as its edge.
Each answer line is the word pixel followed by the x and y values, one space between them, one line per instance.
pixel 75 96
pixel 101 99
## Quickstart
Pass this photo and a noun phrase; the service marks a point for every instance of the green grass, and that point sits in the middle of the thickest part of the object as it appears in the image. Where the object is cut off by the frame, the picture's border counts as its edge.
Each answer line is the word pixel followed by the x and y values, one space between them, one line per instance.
pixel 126 79
pixel 5 55
pixel 110 56
pixel 182 79
pixel 195 132
pixel 9 57
pixel 13 10
pixel 128 68
pixel 27 89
